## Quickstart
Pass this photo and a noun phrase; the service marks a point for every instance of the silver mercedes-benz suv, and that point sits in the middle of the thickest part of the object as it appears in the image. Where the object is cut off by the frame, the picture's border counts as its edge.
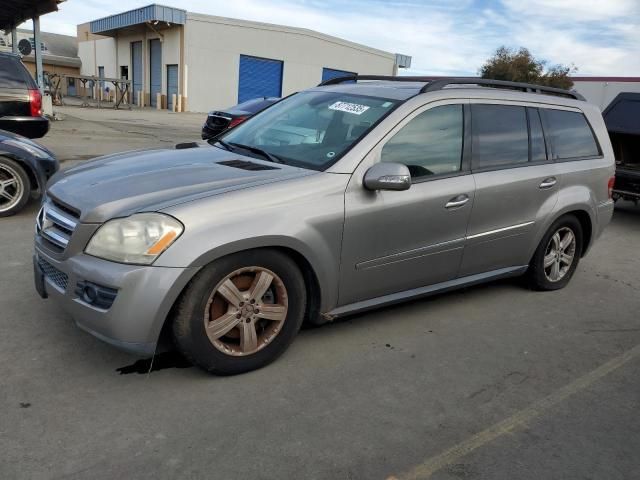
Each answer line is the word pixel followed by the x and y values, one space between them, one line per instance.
pixel 361 192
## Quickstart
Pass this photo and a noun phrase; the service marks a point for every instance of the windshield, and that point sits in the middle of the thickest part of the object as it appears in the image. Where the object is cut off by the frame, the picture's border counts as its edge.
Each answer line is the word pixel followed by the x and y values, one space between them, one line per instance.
pixel 311 129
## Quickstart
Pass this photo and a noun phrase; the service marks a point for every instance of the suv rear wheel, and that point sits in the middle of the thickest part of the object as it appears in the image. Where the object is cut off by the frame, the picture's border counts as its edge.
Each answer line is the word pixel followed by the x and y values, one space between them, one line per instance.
pixel 240 312
pixel 557 256
pixel 15 188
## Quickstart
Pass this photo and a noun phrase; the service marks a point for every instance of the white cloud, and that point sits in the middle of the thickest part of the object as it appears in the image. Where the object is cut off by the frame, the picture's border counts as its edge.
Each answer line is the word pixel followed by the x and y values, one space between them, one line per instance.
pixel 443 37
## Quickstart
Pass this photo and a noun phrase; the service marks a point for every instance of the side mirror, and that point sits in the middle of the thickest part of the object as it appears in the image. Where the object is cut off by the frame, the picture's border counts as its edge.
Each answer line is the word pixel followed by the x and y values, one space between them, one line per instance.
pixel 387 176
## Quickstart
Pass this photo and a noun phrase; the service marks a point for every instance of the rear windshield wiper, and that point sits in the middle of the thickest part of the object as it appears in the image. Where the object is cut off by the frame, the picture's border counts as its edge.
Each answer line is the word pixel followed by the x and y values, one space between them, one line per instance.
pixel 269 156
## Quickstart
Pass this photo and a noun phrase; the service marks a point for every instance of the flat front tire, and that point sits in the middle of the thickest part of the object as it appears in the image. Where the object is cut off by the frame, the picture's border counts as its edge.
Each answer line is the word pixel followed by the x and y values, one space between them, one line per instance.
pixel 557 255
pixel 15 188
pixel 241 312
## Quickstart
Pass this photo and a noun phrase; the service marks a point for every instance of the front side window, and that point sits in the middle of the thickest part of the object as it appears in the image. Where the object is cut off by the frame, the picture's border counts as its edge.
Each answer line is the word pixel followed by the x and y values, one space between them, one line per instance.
pixel 570 134
pixel 500 135
pixel 310 129
pixel 430 144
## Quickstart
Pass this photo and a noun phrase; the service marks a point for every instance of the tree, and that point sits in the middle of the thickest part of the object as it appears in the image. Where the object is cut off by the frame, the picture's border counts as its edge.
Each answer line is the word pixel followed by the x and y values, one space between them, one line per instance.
pixel 521 66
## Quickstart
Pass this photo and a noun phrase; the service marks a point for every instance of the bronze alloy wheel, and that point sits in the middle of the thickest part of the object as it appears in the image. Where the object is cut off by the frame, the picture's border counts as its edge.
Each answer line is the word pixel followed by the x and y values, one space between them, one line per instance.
pixel 246 311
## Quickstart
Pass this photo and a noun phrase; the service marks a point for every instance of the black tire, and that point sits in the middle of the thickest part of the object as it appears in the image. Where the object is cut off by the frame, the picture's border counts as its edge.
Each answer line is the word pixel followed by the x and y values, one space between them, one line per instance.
pixel 188 320
pixel 536 275
pixel 10 168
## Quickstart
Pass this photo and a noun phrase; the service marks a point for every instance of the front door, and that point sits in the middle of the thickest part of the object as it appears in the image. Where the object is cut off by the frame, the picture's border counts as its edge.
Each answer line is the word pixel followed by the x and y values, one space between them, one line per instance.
pixel 516 186
pixel 399 240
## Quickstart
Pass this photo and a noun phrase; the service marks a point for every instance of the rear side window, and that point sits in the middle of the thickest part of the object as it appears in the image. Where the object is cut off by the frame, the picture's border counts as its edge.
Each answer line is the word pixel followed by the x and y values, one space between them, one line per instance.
pixel 570 135
pixel 430 144
pixel 536 137
pixel 500 135
pixel 12 73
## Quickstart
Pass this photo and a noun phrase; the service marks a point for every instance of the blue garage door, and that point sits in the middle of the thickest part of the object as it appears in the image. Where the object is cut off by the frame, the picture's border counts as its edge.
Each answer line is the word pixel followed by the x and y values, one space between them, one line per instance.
pixel 136 69
pixel 155 69
pixel 329 73
pixel 172 84
pixel 259 77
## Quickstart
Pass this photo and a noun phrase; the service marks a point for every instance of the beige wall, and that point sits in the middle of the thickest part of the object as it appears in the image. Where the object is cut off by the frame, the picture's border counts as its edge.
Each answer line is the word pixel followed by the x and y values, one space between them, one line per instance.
pixel 47 67
pixel 209 60
pixel 601 93
pixel 115 52
pixel 213 46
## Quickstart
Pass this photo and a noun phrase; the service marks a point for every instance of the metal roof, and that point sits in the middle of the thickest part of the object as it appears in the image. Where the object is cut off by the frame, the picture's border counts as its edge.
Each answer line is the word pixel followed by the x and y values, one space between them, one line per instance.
pixel 14 12
pixel 150 13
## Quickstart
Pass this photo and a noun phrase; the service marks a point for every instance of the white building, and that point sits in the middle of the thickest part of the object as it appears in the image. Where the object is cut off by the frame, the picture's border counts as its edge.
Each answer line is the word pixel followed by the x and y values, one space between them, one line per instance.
pixel 602 90
pixel 215 62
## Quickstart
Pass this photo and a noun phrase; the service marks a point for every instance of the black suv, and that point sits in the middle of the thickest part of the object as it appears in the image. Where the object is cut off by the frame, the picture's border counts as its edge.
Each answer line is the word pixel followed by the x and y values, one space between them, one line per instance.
pixel 20 99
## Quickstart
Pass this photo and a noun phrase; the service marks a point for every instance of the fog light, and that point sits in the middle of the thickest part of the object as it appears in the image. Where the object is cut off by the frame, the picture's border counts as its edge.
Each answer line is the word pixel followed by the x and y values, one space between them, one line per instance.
pixel 96 295
pixel 89 294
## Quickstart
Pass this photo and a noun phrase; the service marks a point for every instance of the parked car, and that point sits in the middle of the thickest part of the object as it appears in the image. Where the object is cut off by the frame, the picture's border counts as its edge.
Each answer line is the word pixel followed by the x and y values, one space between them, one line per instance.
pixel 622 118
pixel 20 99
pixel 339 199
pixel 25 168
pixel 219 121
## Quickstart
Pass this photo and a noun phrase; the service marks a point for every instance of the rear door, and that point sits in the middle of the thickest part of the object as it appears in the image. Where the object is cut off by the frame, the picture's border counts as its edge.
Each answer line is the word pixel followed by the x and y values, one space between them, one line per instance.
pixel 14 87
pixel 400 240
pixel 516 186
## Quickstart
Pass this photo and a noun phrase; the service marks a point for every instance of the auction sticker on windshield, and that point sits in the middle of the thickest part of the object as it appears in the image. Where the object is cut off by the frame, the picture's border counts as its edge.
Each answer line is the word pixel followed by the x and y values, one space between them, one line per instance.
pixel 354 108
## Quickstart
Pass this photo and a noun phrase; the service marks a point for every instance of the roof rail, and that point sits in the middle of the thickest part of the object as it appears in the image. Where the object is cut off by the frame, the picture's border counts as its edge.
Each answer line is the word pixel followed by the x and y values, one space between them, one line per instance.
pixel 390 78
pixel 435 84
pixel 525 87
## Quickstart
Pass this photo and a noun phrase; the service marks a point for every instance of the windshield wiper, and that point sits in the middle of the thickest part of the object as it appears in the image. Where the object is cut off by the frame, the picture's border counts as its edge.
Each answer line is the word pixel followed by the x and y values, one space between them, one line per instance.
pixel 269 156
pixel 226 145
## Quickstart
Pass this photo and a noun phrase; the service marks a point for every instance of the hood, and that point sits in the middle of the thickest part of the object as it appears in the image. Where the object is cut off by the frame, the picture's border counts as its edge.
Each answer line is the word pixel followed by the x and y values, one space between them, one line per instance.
pixel 122 184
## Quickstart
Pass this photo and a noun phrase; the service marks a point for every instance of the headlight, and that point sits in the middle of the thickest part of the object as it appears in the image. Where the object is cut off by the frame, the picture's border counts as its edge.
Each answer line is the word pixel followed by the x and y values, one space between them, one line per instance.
pixel 140 238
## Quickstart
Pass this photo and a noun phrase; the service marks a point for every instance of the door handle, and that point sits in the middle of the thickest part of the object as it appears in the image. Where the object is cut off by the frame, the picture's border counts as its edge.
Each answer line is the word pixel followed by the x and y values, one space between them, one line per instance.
pixel 548 182
pixel 458 201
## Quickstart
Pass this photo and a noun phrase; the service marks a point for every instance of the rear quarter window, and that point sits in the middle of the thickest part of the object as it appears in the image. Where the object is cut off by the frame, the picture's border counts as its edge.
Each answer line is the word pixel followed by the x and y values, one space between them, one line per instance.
pixel 570 135
pixel 13 74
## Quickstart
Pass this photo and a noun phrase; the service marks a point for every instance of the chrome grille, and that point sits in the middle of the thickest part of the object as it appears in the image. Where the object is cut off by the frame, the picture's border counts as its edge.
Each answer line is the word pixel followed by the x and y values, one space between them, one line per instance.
pixel 55 225
pixel 60 279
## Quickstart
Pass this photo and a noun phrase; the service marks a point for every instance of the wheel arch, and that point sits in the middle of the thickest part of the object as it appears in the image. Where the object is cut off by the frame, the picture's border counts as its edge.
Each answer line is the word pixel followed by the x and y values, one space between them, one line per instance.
pixel 34 180
pixel 312 285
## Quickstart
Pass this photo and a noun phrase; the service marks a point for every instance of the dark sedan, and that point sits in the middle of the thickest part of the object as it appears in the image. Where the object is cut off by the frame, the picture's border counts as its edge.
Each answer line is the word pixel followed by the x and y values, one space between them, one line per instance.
pixel 25 167
pixel 222 120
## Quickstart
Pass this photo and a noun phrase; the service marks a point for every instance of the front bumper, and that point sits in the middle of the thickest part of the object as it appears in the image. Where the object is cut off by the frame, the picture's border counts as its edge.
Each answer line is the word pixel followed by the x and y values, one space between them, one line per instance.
pixel 144 297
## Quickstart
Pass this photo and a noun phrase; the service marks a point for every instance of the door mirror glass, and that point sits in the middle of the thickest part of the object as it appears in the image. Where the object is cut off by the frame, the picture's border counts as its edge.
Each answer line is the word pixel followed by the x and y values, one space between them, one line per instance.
pixel 387 176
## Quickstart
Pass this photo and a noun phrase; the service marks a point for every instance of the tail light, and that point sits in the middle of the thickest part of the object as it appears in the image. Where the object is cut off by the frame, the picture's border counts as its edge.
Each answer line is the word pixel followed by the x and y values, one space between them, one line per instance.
pixel 610 185
pixel 35 102
pixel 236 121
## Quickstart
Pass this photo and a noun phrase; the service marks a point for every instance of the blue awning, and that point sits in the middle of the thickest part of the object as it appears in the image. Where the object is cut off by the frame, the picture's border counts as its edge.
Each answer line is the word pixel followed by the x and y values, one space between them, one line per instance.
pixel 150 13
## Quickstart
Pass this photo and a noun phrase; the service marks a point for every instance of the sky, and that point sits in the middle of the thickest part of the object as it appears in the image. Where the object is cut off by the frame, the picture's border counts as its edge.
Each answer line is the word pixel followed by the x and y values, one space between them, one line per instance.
pixel 599 37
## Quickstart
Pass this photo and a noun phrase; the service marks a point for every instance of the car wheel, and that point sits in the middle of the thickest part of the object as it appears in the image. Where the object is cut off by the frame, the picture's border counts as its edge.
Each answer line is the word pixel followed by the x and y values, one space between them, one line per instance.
pixel 15 188
pixel 240 312
pixel 557 256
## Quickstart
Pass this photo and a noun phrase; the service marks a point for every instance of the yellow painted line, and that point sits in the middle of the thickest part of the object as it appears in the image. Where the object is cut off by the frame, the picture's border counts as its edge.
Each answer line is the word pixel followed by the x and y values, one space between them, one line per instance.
pixel 452 455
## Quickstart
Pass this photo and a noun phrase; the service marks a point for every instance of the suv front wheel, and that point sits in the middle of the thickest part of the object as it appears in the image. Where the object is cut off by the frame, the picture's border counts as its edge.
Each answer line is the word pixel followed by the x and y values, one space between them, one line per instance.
pixel 15 188
pixel 557 255
pixel 240 312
